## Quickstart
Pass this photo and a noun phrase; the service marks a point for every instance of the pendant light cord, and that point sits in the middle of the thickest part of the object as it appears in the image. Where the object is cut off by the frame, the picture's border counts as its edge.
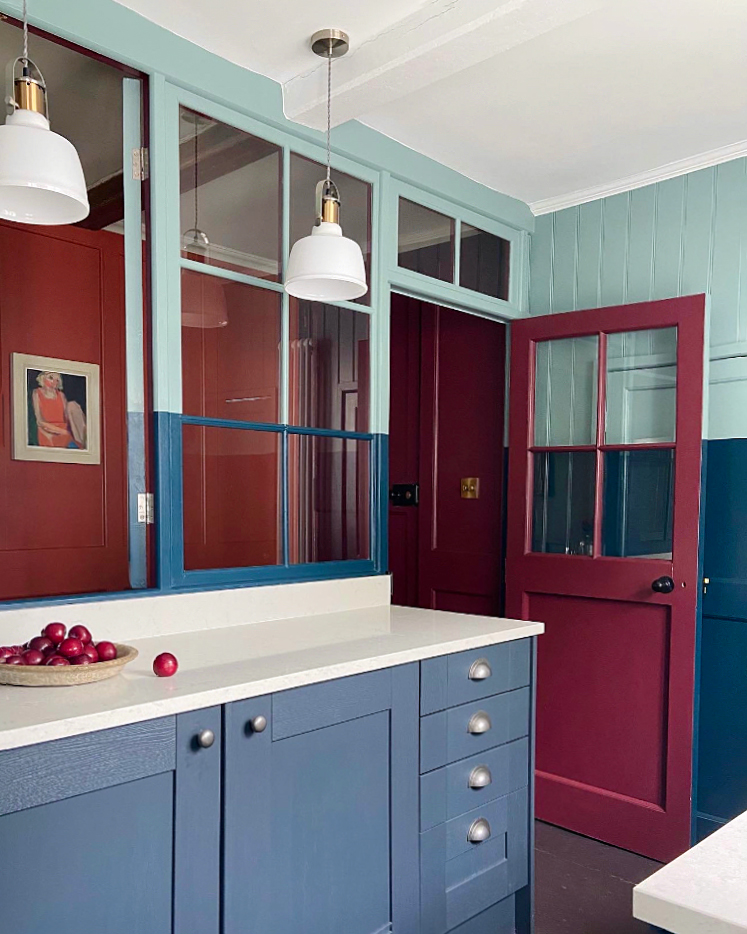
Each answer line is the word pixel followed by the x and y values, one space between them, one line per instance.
pixel 329 111
pixel 196 173
pixel 25 37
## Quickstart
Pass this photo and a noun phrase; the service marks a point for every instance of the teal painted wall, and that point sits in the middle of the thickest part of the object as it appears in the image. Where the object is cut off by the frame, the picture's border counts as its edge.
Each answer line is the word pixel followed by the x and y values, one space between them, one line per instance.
pixel 678 237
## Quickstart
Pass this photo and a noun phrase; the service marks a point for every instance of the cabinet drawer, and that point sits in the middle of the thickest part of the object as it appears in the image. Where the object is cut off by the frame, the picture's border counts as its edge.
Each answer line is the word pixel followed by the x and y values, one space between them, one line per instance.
pixel 467 676
pixel 454 789
pixel 445 736
pixel 461 879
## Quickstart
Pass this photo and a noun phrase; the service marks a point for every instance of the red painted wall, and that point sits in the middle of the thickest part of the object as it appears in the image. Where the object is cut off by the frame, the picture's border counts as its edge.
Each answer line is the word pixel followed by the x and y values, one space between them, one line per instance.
pixel 63 527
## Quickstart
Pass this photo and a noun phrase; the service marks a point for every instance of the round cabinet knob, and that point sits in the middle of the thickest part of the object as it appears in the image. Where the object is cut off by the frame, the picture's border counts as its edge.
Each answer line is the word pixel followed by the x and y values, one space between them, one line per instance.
pixel 479 722
pixel 479 831
pixel 258 724
pixel 480 777
pixel 663 585
pixel 205 739
pixel 480 670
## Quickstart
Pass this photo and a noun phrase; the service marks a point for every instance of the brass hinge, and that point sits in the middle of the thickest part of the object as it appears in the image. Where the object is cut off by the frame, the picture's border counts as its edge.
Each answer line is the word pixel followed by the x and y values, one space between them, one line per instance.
pixel 146 510
pixel 140 164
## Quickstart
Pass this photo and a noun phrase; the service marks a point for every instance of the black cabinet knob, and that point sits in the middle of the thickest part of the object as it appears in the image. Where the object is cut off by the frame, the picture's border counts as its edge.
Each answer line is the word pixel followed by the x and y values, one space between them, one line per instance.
pixel 663 585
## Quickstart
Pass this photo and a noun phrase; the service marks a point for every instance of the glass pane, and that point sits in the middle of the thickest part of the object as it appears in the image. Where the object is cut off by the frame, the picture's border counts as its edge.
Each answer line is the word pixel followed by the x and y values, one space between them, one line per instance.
pixel 329 498
pixel 641 386
pixel 329 366
pixel 565 392
pixel 425 241
pixel 563 510
pixel 232 514
pixel 484 262
pixel 638 504
pixel 230 349
pixel 355 207
pixel 230 184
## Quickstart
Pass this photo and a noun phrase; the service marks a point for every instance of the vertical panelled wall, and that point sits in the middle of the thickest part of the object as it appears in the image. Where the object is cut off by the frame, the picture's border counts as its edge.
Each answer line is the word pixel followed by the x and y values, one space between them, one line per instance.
pixel 683 236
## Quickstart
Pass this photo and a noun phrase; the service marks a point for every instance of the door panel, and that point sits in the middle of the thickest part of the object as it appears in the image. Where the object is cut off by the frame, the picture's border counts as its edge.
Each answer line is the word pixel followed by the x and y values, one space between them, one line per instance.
pixel 123 883
pixel 604 688
pixel 604 498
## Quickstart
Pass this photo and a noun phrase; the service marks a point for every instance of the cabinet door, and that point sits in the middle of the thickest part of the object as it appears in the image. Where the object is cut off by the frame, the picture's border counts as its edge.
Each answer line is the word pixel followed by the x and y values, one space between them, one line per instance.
pixel 96 831
pixel 321 821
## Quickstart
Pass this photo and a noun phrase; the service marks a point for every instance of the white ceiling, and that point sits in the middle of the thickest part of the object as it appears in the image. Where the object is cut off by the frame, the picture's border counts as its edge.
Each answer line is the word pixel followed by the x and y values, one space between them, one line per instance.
pixel 551 101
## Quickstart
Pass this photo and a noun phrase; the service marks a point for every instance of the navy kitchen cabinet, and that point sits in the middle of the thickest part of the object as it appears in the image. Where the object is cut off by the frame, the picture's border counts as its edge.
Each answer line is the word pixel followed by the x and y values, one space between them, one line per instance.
pixel 321 808
pixel 99 833
pixel 397 800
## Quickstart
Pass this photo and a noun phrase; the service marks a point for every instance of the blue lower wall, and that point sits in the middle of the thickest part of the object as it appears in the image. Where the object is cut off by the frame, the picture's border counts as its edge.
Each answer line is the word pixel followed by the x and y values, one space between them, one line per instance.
pixel 721 791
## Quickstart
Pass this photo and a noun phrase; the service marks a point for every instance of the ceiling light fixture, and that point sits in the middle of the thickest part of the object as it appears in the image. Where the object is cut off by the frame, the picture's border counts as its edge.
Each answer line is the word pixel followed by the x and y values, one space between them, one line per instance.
pixel 41 178
pixel 327 267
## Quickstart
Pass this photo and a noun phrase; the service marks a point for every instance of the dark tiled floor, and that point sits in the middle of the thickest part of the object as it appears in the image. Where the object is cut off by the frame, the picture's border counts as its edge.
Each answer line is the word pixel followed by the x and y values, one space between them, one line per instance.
pixel 585 887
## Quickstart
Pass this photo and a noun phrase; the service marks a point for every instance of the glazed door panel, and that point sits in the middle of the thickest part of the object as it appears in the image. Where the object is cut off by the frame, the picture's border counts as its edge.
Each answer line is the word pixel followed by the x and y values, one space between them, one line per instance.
pixel 603 520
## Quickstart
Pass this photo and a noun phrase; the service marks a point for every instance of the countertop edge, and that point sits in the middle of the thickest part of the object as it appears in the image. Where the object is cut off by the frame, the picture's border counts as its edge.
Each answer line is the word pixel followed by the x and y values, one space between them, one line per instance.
pixel 677 918
pixel 16 738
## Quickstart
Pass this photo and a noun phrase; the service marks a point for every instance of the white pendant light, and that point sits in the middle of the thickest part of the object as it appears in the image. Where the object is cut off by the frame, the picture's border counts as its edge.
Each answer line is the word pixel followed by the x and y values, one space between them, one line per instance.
pixel 41 178
pixel 326 266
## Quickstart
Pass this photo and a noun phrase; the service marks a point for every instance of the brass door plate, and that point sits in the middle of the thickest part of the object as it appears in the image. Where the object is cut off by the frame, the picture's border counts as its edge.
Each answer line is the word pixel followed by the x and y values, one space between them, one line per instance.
pixel 470 487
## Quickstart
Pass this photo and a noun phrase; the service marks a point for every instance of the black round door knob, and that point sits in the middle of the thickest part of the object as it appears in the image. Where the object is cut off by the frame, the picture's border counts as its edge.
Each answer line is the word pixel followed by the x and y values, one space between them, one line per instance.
pixel 663 585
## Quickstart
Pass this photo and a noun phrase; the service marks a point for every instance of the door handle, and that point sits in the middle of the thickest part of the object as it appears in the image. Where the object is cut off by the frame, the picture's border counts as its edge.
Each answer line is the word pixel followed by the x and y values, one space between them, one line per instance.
pixel 663 585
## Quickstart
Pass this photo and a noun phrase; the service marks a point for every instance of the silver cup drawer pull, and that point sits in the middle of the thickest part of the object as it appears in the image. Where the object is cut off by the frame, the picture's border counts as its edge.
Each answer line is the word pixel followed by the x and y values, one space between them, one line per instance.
pixel 479 831
pixel 480 670
pixel 479 723
pixel 480 777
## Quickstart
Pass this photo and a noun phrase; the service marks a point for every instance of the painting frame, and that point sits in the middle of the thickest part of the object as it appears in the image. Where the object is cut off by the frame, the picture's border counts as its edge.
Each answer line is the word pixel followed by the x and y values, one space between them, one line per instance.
pixel 86 423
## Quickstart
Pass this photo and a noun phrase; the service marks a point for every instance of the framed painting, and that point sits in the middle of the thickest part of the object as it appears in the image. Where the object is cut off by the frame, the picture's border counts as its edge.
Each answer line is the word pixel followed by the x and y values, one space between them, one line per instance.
pixel 56 410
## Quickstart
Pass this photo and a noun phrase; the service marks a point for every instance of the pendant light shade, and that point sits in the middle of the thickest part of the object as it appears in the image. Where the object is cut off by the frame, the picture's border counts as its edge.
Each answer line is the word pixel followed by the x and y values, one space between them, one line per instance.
pixel 41 178
pixel 326 266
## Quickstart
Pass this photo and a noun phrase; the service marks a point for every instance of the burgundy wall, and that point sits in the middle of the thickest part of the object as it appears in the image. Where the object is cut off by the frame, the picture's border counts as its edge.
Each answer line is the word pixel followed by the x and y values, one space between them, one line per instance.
pixel 63 527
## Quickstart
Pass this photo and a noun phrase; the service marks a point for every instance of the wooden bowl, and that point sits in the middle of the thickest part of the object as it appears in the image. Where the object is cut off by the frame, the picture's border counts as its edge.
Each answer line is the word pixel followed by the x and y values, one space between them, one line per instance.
pixel 41 676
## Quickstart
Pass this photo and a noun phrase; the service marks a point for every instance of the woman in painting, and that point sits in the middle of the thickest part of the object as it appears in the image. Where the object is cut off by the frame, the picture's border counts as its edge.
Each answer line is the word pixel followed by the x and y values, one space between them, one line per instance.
pixel 60 424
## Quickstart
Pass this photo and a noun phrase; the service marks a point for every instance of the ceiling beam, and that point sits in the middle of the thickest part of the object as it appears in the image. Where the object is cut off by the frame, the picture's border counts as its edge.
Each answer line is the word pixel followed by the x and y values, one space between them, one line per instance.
pixel 441 38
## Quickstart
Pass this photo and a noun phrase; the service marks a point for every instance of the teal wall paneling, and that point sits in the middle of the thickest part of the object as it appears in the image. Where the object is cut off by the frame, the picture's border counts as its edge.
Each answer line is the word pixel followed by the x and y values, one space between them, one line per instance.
pixel 681 236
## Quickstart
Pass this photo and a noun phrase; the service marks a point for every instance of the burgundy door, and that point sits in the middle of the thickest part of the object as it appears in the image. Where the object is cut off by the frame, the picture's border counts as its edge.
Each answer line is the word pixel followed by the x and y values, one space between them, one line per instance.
pixel 446 426
pixel 603 516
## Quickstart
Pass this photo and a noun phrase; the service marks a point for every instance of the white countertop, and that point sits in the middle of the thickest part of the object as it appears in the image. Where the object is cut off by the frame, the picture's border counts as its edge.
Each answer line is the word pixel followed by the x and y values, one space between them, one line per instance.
pixel 217 666
pixel 704 891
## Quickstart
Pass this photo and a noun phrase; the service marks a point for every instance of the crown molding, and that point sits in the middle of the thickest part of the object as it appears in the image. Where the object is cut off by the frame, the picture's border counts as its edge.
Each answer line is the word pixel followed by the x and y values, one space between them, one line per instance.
pixel 703 160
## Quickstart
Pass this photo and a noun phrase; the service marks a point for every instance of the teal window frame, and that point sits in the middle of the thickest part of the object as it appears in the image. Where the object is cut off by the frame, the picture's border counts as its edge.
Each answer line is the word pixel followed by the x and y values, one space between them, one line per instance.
pixel 451 293
pixel 168 367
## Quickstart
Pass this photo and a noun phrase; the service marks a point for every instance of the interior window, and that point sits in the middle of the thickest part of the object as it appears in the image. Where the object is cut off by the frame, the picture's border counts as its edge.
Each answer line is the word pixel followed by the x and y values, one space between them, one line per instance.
pixel 227 177
pixel 484 262
pixel 425 241
pixel 67 497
